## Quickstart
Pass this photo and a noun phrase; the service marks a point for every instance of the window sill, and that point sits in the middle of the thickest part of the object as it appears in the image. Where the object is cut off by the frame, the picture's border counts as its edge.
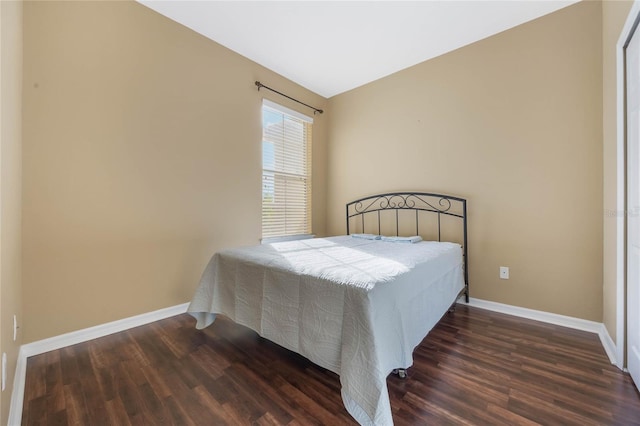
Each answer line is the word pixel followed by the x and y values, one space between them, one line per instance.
pixel 270 240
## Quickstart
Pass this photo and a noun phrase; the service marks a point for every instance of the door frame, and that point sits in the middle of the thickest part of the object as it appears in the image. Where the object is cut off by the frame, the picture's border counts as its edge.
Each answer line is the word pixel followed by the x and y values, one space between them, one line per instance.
pixel 621 181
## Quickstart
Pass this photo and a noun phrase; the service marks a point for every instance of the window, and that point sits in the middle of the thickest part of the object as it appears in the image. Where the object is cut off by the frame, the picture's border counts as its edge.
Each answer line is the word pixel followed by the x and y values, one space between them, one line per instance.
pixel 286 172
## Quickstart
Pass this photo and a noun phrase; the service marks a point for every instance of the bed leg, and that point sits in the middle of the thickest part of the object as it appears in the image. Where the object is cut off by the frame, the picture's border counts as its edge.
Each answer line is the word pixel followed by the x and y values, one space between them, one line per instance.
pixel 400 372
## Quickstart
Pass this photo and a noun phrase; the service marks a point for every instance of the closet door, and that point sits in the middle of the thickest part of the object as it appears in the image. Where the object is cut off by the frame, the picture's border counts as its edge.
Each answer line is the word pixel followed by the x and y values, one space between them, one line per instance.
pixel 632 58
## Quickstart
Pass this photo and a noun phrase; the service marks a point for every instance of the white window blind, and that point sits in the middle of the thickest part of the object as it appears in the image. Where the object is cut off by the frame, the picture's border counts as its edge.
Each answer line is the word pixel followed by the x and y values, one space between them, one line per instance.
pixel 286 171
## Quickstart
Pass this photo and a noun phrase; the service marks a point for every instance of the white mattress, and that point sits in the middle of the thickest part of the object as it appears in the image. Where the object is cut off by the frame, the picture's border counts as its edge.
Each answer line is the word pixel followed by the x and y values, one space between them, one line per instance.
pixel 354 306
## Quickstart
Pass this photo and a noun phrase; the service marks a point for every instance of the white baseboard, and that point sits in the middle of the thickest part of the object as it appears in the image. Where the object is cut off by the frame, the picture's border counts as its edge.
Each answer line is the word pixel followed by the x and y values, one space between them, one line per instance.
pixel 75 337
pixel 68 339
pixel 608 345
pixel 556 319
pixel 17 394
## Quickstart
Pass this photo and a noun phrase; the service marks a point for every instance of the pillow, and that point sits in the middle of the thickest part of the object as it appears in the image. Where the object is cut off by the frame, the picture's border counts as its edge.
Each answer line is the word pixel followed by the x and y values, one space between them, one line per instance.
pixel 413 239
pixel 366 236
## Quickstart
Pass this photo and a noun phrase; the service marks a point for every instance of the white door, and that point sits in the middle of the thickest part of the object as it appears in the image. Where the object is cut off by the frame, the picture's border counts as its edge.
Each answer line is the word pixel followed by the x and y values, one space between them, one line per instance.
pixel 633 206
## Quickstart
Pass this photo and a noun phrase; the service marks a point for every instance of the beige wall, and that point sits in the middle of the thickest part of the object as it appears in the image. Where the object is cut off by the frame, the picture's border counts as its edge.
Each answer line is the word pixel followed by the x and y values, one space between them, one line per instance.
pixel 614 15
pixel 10 188
pixel 514 124
pixel 142 156
pixel 140 162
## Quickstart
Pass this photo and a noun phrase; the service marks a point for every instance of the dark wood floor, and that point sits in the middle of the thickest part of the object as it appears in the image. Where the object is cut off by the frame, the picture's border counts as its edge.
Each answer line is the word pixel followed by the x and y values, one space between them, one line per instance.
pixel 475 367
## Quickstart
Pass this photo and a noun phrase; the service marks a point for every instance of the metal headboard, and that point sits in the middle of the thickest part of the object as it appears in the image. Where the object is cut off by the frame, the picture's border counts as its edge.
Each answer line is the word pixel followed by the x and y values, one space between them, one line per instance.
pixel 440 205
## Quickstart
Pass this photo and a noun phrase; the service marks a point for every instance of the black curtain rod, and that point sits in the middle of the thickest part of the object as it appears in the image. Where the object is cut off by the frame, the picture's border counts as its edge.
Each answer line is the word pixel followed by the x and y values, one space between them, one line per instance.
pixel 260 85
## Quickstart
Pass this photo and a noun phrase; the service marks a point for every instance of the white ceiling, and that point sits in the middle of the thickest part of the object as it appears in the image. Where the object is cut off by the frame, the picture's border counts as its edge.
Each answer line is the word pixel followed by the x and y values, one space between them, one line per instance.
pixel 330 47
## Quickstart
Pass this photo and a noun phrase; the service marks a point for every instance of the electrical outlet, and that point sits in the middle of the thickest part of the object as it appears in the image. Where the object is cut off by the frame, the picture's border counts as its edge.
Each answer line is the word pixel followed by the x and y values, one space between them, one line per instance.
pixel 504 272
pixel 4 370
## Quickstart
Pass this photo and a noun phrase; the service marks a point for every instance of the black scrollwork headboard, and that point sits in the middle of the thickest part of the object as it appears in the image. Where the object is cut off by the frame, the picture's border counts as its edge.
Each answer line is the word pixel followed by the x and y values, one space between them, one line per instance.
pixel 397 212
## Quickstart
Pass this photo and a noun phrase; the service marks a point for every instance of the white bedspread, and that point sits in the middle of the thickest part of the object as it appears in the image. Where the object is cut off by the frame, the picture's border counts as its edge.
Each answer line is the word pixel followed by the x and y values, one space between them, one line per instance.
pixel 355 306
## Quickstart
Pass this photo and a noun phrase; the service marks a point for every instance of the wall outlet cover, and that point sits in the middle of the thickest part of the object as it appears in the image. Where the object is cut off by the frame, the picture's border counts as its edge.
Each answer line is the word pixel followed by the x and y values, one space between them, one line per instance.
pixel 4 370
pixel 504 272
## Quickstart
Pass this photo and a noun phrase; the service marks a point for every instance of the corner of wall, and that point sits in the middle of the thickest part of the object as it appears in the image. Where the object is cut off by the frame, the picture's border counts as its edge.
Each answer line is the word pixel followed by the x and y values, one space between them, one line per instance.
pixel 11 46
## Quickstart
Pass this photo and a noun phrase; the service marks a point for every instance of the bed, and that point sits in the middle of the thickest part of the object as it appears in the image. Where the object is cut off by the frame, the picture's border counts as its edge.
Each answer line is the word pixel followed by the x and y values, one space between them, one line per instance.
pixel 356 304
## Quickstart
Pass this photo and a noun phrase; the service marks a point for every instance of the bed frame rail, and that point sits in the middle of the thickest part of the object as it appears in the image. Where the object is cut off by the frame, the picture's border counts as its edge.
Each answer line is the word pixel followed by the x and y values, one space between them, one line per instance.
pixel 367 213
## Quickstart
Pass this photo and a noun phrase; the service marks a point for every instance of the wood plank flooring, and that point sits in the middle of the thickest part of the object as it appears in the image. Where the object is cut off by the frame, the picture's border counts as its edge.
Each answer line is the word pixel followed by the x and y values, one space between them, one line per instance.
pixel 475 368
